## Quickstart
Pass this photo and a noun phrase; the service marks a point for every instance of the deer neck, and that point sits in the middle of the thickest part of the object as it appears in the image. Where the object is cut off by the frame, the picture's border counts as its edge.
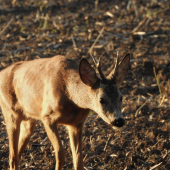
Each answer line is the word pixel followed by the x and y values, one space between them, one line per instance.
pixel 80 93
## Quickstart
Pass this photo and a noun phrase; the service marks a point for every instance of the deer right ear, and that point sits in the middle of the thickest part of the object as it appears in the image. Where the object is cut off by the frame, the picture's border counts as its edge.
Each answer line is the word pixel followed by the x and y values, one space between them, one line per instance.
pixel 87 73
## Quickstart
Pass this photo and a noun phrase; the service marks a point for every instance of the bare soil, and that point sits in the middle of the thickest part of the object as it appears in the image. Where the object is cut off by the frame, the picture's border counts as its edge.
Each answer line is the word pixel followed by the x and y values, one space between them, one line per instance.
pixel 33 29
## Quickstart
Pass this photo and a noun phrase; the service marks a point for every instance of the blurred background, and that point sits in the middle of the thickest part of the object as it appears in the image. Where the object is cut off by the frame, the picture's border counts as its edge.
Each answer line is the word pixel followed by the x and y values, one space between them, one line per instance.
pixel 33 29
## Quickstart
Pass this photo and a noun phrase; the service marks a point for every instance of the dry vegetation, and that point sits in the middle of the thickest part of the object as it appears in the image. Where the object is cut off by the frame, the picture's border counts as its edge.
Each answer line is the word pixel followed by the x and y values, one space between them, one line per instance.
pixel 35 28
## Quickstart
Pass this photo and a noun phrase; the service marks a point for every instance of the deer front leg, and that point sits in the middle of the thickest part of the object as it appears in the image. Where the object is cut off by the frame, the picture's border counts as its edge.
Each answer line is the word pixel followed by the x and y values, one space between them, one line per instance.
pixel 13 128
pixel 52 132
pixel 75 134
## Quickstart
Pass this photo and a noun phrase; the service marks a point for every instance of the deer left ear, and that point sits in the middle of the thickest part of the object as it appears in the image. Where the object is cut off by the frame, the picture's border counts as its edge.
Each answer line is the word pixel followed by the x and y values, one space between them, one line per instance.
pixel 123 68
pixel 87 73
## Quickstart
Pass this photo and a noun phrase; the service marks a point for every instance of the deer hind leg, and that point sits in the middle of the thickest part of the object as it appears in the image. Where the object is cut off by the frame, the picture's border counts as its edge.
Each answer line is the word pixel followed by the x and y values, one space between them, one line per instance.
pixel 26 130
pixel 52 132
pixel 75 134
pixel 13 128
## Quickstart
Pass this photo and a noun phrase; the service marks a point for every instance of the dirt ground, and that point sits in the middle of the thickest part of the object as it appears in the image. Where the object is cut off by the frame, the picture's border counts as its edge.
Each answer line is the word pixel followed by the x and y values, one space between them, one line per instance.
pixel 32 29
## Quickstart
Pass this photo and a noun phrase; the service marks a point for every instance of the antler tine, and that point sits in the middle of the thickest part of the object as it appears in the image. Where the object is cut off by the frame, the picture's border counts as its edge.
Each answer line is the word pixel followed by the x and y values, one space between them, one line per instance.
pixel 98 66
pixel 94 60
pixel 100 70
pixel 117 60
pixel 116 66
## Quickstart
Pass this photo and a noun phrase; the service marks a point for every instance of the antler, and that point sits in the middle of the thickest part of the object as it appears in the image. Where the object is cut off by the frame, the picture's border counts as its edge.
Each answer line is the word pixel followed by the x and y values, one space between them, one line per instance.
pixel 116 65
pixel 98 66
pixel 112 74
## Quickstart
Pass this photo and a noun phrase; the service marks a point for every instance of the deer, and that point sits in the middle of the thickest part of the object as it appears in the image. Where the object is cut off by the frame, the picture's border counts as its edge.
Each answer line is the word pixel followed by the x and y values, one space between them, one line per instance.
pixel 58 91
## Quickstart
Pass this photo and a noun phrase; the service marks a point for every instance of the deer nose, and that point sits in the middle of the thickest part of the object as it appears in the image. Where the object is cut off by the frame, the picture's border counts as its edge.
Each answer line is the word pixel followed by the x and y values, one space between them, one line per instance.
pixel 118 122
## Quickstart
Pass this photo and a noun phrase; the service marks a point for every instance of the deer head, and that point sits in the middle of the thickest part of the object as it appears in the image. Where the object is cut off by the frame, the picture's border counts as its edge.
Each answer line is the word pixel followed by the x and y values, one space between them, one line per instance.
pixel 106 98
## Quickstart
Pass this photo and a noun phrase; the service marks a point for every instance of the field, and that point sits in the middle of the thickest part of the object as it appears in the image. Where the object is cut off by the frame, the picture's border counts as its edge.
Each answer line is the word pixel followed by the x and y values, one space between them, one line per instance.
pixel 40 28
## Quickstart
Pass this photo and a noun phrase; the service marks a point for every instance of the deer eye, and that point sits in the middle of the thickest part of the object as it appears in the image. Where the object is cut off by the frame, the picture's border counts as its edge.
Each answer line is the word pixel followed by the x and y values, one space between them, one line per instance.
pixel 102 101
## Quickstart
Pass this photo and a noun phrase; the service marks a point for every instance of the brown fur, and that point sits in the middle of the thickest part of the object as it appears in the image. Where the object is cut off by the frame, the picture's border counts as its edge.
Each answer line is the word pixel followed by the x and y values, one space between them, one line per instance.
pixel 54 91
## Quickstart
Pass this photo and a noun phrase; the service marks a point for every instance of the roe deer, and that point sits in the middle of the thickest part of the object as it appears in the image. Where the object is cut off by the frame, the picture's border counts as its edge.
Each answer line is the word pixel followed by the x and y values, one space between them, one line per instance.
pixel 58 91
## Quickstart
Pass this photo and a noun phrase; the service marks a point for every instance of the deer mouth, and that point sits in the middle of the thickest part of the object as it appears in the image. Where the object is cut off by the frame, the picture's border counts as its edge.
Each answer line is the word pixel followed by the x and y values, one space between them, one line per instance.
pixel 117 128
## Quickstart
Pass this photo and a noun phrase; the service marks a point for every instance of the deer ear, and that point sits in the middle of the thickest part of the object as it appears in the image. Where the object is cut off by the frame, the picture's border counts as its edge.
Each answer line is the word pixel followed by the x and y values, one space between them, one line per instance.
pixel 87 73
pixel 123 68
